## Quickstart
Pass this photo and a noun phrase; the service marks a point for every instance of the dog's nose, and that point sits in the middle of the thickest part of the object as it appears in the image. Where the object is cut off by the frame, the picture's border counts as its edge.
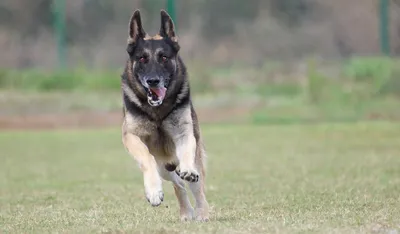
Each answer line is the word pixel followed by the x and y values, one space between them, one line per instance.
pixel 153 81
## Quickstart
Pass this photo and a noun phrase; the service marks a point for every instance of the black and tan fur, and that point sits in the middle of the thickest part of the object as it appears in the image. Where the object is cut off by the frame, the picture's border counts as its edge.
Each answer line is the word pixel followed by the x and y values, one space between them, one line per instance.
pixel 162 135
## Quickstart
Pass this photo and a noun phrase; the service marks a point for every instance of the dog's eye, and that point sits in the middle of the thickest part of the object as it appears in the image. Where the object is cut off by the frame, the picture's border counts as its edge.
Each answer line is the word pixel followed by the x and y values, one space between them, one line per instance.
pixel 164 59
pixel 142 59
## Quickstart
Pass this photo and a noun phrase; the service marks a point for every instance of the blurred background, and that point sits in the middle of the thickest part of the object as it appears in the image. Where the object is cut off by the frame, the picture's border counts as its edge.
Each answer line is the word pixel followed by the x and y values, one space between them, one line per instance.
pixel 254 61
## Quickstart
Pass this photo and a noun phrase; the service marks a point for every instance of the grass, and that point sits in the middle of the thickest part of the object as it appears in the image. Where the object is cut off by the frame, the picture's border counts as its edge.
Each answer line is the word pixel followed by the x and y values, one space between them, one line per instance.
pixel 321 178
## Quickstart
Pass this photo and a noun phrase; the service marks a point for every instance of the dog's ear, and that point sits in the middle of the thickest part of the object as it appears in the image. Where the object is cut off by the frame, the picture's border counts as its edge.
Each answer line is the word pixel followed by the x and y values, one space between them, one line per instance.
pixel 136 30
pixel 167 29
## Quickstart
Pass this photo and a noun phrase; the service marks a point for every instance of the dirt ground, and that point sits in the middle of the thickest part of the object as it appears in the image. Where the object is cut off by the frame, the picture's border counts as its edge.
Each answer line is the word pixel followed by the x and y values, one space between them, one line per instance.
pixel 102 119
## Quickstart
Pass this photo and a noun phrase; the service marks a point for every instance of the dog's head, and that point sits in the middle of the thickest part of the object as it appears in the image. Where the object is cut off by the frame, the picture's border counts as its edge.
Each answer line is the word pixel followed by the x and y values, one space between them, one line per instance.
pixel 153 60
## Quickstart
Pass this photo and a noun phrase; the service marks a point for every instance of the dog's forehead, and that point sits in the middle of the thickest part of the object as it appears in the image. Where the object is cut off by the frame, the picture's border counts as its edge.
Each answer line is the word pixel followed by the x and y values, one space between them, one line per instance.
pixel 155 46
pixel 157 37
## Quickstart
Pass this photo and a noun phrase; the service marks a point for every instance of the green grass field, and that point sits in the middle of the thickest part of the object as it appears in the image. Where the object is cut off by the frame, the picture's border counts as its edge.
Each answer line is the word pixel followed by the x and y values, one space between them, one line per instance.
pixel 324 178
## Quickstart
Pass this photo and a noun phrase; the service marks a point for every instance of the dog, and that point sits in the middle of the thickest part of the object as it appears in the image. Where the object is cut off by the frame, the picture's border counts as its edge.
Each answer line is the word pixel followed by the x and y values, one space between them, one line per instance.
pixel 160 129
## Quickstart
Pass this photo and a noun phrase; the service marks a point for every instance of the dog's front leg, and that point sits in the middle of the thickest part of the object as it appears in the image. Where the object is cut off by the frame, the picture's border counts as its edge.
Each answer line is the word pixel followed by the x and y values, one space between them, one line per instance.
pixel 185 151
pixel 148 165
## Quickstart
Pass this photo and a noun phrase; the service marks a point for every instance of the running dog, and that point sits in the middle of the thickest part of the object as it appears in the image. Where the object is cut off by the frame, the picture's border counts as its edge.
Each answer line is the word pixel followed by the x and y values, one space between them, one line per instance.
pixel 160 128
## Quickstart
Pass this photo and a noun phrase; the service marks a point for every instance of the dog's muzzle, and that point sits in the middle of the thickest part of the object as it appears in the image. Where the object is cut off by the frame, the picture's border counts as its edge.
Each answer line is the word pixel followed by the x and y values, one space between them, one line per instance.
pixel 156 95
pixel 155 87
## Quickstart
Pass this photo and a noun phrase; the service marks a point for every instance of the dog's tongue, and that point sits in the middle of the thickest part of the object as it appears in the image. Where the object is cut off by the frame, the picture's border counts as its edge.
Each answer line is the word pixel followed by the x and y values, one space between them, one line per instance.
pixel 160 92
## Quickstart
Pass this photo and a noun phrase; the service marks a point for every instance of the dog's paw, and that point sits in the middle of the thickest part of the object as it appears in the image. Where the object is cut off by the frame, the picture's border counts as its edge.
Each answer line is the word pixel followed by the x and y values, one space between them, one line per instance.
pixel 187 216
pixel 188 175
pixel 202 217
pixel 155 198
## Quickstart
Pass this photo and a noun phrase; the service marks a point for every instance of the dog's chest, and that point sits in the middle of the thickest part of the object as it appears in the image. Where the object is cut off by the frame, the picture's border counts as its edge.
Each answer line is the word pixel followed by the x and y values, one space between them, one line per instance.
pixel 158 137
pixel 160 143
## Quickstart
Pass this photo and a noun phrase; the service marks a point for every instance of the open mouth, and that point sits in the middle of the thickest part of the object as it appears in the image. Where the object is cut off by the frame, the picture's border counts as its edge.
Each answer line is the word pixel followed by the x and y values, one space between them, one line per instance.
pixel 155 96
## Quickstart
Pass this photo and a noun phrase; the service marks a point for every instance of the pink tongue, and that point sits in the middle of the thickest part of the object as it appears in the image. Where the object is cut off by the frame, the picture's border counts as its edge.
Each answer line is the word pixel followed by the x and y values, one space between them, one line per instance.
pixel 160 92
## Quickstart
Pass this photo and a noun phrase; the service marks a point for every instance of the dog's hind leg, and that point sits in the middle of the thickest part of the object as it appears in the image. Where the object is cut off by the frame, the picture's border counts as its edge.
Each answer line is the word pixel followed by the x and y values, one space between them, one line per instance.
pixel 186 209
pixel 148 165
pixel 198 189
pixel 202 212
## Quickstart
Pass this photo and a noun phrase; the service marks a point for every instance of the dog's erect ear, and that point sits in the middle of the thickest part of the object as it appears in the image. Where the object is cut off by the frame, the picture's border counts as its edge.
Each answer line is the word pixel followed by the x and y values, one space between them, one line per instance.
pixel 136 30
pixel 167 29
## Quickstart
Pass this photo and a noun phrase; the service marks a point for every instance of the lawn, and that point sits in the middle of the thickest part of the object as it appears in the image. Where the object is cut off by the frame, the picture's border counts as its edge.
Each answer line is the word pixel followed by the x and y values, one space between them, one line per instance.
pixel 323 178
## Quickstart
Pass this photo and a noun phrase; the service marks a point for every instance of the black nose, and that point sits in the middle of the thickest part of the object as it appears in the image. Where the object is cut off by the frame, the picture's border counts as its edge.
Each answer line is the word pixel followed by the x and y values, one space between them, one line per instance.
pixel 153 81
